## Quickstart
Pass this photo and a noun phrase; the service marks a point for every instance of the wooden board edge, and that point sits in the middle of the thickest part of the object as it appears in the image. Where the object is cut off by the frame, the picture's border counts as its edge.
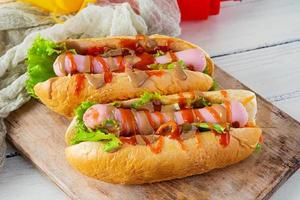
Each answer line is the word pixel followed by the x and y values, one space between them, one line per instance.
pixel 48 174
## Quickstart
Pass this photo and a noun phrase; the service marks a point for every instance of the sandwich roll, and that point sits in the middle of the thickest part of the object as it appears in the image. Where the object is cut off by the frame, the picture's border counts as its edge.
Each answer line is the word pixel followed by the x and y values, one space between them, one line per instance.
pixel 115 68
pixel 63 94
pixel 161 137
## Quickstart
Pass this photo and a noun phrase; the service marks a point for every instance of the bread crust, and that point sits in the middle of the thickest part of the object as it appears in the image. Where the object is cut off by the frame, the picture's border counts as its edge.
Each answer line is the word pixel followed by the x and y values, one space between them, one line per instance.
pixel 138 164
pixel 59 93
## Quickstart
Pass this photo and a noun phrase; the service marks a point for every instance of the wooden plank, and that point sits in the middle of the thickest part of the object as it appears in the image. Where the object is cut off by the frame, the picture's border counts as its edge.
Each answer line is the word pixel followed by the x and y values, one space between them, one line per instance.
pixel 247 26
pixel 35 126
pixel 272 72
pixel 20 180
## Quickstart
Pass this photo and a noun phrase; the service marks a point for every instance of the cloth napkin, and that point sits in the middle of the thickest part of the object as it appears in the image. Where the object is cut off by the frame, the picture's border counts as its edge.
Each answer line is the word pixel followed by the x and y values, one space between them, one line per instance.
pixel 18 20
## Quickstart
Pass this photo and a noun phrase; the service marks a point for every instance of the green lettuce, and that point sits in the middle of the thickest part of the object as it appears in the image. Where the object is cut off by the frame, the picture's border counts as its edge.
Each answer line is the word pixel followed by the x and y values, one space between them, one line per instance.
pixel 257 148
pixel 215 86
pixel 145 98
pixel 83 134
pixel 41 57
pixel 206 127
pixel 200 102
pixel 171 65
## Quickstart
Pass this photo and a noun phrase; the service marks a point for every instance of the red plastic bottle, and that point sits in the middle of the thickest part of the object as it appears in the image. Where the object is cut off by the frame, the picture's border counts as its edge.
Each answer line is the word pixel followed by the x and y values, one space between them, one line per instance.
pixel 198 9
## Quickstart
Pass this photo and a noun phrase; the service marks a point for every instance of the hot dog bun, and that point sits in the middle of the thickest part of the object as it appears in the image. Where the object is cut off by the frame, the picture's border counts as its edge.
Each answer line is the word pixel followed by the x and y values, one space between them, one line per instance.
pixel 59 93
pixel 138 164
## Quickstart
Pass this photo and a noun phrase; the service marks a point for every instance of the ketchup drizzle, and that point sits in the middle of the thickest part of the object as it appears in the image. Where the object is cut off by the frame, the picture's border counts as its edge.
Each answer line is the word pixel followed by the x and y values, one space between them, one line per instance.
pixel 92 67
pixel 155 73
pixel 129 140
pixel 181 100
pixel 160 117
pixel 224 93
pixel 79 81
pixel 146 59
pixel 187 115
pixel 128 118
pixel 198 115
pixel 121 64
pixel 107 72
pixel 159 146
pixel 150 120
pixel 227 105
pixel 225 139
pixel 70 56
pixel 214 113
pixel 172 56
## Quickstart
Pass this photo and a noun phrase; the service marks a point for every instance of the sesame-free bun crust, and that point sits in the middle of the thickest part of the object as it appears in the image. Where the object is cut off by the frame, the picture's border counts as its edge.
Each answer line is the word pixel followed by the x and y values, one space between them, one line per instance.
pixel 58 93
pixel 137 164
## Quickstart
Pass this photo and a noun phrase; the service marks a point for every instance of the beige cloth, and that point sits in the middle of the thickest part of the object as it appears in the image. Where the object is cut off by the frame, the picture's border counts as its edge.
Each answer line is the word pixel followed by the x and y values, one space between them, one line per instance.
pixel 19 20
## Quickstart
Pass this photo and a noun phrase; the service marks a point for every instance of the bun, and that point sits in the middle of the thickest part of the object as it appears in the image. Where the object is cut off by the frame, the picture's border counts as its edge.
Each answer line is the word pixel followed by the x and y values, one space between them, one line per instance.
pixel 64 94
pixel 138 164
pixel 59 93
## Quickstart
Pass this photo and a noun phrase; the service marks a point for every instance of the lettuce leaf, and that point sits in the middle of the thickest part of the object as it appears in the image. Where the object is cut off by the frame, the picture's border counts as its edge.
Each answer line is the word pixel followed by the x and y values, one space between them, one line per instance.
pixel 206 127
pixel 145 98
pixel 83 134
pixel 215 86
pixel 41 57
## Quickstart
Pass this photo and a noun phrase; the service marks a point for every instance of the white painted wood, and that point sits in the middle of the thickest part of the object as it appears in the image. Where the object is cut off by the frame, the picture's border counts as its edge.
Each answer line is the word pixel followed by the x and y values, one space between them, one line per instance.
pixel 20 180
pixel 246 25
pixel 272 72
pixel 275 74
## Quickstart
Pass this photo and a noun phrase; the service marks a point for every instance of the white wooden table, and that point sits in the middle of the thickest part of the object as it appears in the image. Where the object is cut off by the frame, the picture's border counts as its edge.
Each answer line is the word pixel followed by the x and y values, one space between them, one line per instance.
pixel 257 41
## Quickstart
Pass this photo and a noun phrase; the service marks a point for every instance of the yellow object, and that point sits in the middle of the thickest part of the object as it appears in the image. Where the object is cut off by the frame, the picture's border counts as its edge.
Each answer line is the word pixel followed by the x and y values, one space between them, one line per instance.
pixel 60 6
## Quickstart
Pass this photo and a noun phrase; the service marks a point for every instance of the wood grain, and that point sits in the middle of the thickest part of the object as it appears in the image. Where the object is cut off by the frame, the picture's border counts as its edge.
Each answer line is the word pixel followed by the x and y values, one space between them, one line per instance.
pixel 38 133
pixel 272 72
pixel 245 26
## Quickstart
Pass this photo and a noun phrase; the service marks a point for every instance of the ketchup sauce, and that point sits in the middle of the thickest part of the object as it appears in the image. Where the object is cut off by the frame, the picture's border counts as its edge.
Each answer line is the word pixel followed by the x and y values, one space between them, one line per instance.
pixel 106 69
pixel 70 56
pixel 155 73
pixel 79 83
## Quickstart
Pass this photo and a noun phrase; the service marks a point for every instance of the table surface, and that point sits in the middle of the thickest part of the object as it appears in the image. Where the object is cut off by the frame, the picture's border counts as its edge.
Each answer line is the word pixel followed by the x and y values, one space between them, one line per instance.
pixel 257 41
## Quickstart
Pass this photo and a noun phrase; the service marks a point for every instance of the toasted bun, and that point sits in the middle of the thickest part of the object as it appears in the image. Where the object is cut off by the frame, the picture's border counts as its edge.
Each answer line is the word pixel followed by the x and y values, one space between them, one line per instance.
pixel 58 93
pixel 138 164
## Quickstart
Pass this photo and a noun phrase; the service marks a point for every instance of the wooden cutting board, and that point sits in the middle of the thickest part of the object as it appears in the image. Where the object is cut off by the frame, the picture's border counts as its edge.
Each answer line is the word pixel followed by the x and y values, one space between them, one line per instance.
pixel 39 134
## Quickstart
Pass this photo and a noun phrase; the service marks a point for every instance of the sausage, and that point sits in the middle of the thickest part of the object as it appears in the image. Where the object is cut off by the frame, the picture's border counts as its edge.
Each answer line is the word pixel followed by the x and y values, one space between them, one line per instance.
pixel 145 122
pixel 191 57
pixel 68 63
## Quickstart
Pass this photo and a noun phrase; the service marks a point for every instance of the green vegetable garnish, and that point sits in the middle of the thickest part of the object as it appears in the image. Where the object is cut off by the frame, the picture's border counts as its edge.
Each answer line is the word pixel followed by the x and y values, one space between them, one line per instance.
pixel 159 53
pixel 200 102
pixel 206 127
pixel 215 86
pixel 145 98
pixel 41 57
pixel 180 63
pixel 172 65
pixel 111 141
pixel 258 148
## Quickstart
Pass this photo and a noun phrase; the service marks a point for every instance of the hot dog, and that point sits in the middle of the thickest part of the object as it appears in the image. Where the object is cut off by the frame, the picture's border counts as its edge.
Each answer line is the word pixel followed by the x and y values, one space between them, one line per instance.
pixel 161 137
pixel 116 68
